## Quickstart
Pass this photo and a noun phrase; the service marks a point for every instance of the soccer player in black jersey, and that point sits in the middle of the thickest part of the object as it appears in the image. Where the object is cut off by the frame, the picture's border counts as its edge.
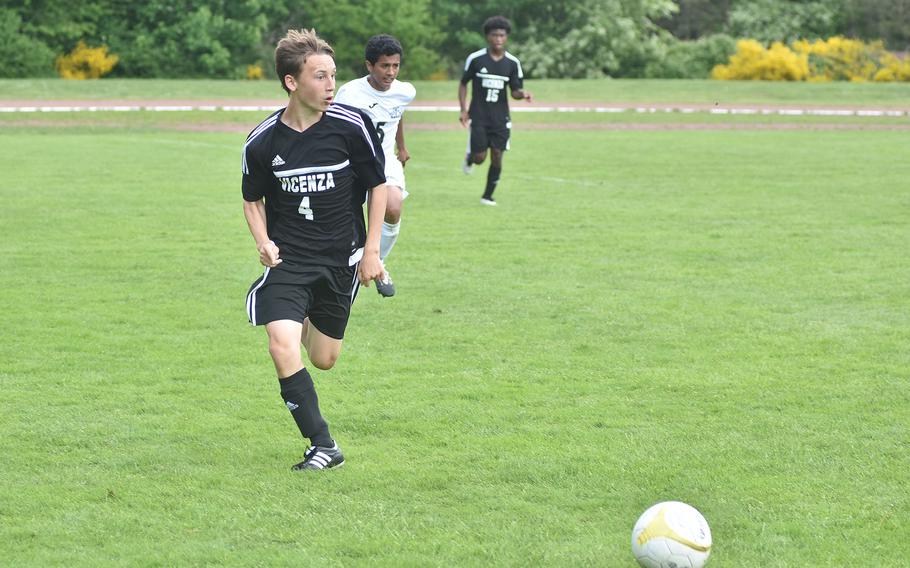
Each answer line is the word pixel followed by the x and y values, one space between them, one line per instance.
pixel 307 169
pixel 490 70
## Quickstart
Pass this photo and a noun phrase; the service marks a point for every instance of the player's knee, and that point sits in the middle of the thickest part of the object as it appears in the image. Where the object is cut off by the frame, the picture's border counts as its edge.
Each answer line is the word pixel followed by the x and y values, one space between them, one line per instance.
pixel 282 351
pixel 324 361
pixel 393 213
pixel 479 157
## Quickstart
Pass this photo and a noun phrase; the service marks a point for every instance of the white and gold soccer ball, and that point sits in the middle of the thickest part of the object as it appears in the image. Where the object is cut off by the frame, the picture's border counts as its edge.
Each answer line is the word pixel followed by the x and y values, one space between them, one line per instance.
pixel 671 535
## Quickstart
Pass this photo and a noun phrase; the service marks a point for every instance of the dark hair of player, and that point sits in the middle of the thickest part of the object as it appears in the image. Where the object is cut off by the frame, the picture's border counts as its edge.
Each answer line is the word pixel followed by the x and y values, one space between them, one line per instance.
pixel 496 23
pixel 380 45
pixel 293 50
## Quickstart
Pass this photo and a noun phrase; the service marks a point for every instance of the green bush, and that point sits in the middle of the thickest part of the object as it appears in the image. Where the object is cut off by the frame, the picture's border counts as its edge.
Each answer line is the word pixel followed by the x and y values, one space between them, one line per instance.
pixel 691 59
pixel 22 56
pixel 200 43
pixel 598 38
pixel 782 20
pixel 348 24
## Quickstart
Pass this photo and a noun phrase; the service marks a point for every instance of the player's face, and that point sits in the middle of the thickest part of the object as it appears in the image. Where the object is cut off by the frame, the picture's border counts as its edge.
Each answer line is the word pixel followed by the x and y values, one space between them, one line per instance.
pixel 384 71
pixel 314 87
pixel 496 39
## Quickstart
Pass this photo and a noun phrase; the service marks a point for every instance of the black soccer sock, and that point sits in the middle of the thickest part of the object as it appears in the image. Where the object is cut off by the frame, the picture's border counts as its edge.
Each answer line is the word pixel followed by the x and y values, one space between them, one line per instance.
pixel 492 180
pixel 299 394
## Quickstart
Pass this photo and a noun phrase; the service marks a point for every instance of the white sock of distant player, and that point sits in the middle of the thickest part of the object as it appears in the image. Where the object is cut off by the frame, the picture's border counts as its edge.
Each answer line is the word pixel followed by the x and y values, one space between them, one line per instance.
pixel 389 236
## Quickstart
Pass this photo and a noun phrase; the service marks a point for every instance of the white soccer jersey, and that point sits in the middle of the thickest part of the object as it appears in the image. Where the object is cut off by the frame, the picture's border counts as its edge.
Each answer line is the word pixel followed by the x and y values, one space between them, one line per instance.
pixel 383 107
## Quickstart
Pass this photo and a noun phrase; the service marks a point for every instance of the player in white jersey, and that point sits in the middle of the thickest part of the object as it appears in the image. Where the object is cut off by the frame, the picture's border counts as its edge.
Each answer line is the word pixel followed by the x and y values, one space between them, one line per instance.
pixel 384 98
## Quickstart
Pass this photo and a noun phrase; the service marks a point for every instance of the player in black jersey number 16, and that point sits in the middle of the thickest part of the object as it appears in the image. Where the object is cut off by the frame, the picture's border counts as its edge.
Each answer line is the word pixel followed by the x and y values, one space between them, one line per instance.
pixel 307 169
pixel 490 71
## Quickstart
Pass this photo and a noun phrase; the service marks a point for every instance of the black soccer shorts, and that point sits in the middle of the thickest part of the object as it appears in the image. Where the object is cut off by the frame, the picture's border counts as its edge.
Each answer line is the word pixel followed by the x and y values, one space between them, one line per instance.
pixel 485 136
pixel 289 292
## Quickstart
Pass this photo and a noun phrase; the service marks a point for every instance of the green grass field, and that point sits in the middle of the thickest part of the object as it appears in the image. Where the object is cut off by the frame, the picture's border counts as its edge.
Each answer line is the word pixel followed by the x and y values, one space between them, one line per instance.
pixel 884 95
pixel 717 317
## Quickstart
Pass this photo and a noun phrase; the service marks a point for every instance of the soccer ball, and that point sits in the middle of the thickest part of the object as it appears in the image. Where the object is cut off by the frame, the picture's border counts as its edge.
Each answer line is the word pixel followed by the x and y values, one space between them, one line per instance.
pixel 671 535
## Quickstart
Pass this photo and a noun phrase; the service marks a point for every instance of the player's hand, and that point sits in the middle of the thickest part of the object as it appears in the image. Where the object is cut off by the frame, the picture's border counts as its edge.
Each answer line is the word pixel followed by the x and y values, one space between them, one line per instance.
pixel 403 156
pixel 527 95
pixel 268 254
pixel 370 269
pixel 464 118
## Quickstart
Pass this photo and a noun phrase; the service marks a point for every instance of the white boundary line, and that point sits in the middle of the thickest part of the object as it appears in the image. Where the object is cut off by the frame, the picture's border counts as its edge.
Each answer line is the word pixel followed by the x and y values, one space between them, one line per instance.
pixel 603 109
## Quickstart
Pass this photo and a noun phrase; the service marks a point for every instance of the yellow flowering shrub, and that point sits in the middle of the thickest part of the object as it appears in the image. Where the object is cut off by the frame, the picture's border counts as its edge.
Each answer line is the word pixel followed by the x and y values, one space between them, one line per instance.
pixel 893 69
pixel 254 72
pixel 834 59
pixel 841 59
pixel 752 60
pixel 85 62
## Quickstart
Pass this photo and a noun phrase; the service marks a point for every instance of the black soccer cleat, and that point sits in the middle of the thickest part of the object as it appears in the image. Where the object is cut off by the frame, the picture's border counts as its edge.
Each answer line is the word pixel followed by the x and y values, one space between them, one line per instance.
pixel 385 286
pixel 320 457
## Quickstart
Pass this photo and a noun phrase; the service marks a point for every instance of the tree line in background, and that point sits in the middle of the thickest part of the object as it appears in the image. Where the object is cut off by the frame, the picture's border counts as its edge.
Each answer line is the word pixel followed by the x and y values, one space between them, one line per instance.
pixel 584 39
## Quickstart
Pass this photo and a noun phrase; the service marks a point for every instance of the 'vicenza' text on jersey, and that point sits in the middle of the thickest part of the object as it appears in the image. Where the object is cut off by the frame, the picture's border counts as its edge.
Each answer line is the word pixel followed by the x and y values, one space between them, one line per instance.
pixel 308 183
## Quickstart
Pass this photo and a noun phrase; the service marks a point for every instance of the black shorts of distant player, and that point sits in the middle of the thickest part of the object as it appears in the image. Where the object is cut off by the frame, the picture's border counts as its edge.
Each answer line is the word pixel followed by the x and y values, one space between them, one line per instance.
pixel 296 292
pixel 485 136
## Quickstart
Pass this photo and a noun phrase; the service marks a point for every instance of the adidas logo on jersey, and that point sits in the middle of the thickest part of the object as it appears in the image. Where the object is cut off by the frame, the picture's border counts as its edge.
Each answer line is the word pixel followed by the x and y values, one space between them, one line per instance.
pixel 277 161
pixel 483 69
pixel 291 405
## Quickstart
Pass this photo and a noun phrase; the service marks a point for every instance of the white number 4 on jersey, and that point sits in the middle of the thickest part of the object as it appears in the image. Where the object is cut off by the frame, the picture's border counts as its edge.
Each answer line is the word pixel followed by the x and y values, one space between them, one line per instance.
pixel 304 208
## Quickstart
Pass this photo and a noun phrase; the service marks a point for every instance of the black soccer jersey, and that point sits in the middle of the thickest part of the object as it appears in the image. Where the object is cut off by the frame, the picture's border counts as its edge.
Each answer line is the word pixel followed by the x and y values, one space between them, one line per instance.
pixel 489 99
pixel 314 183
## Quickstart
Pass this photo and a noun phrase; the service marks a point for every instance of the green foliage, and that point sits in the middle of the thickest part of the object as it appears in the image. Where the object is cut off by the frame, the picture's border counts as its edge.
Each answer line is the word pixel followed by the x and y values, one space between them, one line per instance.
pixel 200 41
pixel 888 20
pixel 697 18
pixel 691 59
pixel 22 56
pixel 589 38
pixel 781 20
pixel 62 23
pixel 770 20
pixel 348 24
pixel 158 38
pixel 598 38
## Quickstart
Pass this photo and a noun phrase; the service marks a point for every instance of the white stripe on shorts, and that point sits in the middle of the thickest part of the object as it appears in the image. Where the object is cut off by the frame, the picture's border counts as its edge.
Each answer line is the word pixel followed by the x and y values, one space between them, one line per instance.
pixel 355 285
pixel 251 298
pixel 355 257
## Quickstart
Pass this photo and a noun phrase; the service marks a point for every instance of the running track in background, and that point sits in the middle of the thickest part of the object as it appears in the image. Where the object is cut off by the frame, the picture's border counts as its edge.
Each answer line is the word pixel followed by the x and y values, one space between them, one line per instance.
pixel 222 105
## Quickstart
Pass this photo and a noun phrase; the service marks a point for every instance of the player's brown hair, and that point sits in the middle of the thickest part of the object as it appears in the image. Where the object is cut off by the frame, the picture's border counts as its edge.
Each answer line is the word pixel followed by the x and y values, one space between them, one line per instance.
pixel 294 48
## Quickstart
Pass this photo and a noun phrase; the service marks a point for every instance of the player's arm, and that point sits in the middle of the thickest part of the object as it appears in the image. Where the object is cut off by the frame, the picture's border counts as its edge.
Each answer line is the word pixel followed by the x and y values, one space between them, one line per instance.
pixel 463 103
pixel 516 84
pixel 519 94
pixel 254 209
pixel 370 265
pixel 254 212
pixel 403 155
